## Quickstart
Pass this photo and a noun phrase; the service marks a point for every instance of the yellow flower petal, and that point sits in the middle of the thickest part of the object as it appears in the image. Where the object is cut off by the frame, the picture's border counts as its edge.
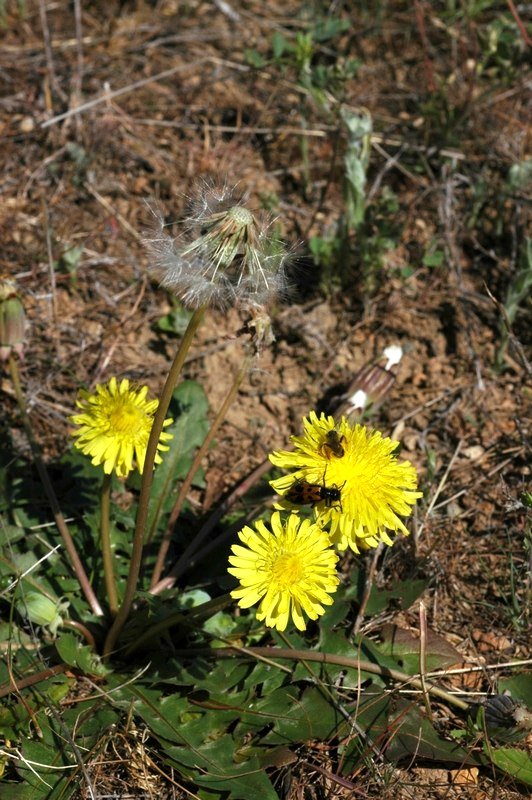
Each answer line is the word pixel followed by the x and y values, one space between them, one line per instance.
pixel 114 426
pixel 374 487
pixel 289 571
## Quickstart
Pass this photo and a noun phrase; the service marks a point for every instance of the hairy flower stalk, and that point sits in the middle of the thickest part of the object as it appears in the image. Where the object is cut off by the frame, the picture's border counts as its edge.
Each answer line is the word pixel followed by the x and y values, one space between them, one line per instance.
pixel 352 478
pixel 226 258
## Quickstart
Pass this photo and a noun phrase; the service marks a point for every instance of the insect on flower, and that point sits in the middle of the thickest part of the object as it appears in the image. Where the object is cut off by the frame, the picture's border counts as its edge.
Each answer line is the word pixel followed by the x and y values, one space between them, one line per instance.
pixel 332 444
pixel 303 493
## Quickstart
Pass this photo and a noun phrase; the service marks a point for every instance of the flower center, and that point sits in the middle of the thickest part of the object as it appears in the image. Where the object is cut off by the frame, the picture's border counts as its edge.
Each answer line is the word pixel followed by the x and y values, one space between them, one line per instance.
pixel 286 570
pixel 126 419
pixel 240 216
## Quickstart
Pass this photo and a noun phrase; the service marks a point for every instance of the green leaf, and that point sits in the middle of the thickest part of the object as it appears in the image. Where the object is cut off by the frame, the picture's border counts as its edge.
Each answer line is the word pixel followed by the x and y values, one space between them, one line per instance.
pixel 405 593
pixel 52 763
pixel 518 686
pixel 402 646
pixel 175 322
pixel 78 655
pixel 164 716
pixel 401 730
pixel 70 259
pixel 295 717
pixel 279 45
pixel 254 58
pixel 516 763
pixel 329 28
pixel 189 408
pixel 520 175
pixel 11 718
pixel 214 767
pixel 434 259
pixel 9 534
pixel 337 643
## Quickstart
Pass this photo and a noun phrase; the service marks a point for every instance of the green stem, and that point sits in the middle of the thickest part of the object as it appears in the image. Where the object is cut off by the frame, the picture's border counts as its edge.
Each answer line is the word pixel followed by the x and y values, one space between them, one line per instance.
pixel 107 555
pixel 147 480
pixel 183 491
pixel 70 547
pixel 273 653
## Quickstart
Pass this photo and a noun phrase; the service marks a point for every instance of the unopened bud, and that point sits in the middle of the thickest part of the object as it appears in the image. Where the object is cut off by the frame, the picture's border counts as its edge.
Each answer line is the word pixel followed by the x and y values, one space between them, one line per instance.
pixel 12 321
pixel 260 327
pixel 40 610
pixel 369 388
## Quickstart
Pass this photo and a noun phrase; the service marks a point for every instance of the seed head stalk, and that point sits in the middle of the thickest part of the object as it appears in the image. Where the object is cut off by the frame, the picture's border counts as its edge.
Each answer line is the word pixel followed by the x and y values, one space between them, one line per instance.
pixel 62 527
pixel 167 582
pixel 107 554
pixel 147 480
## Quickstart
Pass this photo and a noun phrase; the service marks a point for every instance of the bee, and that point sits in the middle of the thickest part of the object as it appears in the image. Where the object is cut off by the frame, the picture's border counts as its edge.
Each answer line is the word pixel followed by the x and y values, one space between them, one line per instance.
pixel 332 444
pixel 302 493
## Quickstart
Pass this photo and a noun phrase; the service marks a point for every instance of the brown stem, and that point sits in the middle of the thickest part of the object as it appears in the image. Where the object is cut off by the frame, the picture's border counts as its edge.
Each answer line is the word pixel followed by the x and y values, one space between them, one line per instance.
pixel 75 560
pixel 85 632
pixel 31 680
pixel 519 22
pixel 220 416
pixel 147 480
pixel 272 653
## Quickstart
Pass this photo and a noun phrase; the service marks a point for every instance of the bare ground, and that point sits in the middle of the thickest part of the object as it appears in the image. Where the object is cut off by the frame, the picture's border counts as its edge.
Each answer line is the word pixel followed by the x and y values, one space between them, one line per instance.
pixel 82 182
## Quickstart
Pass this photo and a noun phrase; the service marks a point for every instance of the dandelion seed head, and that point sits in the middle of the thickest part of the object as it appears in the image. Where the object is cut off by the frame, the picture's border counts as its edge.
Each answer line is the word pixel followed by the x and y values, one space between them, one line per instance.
pixel 226 254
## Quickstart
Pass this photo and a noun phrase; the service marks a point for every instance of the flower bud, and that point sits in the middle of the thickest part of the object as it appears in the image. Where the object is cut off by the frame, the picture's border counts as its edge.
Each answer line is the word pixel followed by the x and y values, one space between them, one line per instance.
pixel 40 610
pixel 370 386
pixel 12 321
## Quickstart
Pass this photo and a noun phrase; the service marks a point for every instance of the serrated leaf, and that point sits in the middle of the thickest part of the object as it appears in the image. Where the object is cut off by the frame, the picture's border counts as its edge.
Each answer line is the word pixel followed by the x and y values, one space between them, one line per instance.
pixel 402 593
pixel 78 655
pixel 295 717
pixel 22 791
pixel 213 767
pixel 398 728
pixel 51 764
pixel 11 718
pixel 405 593
pixel 9 534
pixel 516 763
pixel 164 716
pixel 410 733
pixel 403 647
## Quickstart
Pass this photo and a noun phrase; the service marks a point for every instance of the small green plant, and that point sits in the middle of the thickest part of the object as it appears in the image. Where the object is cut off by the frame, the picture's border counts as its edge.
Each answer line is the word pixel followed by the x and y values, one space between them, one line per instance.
pixel 518 291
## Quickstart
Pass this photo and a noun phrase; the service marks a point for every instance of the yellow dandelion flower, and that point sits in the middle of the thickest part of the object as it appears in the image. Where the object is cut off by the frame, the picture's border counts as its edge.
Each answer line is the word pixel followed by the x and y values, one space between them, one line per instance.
pixel 351 477
pixel 114 426
pixel 289 570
